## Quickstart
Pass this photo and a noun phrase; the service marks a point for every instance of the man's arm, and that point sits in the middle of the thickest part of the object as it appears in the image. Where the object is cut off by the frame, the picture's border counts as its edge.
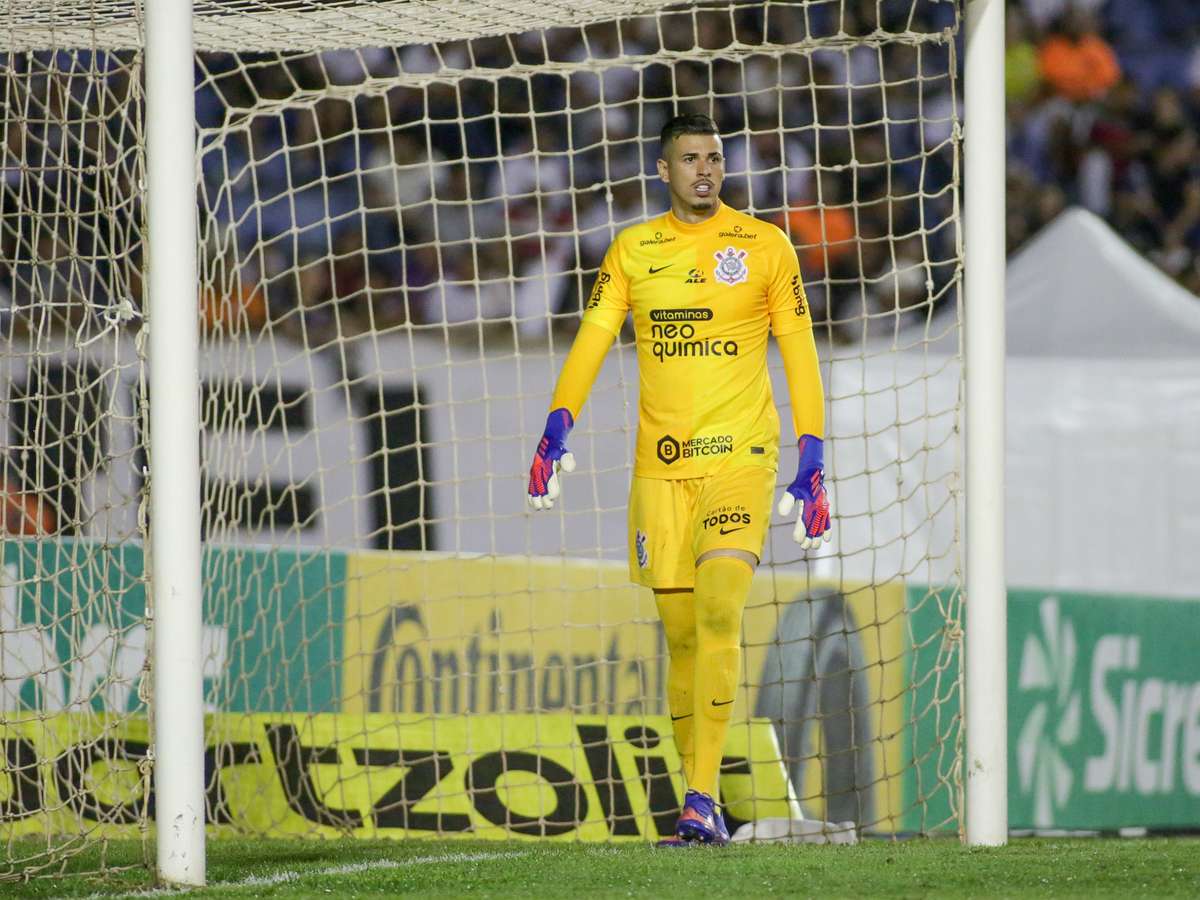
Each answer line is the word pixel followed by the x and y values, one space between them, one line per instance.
pixel 581 368
pixel 792 325
pixel 803 371
pixel 606 309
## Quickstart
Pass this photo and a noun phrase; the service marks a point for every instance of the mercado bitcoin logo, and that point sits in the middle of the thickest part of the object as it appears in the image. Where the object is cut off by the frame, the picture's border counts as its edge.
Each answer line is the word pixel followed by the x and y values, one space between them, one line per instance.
pixel 668 449
pixel 709 445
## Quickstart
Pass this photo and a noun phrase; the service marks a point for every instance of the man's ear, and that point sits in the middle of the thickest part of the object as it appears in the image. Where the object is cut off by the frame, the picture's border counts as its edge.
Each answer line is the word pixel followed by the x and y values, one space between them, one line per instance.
pixel 662 170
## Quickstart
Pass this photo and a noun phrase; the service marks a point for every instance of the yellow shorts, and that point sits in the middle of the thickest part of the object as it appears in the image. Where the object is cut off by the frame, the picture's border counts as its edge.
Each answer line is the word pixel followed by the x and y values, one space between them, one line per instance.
pixel 672 522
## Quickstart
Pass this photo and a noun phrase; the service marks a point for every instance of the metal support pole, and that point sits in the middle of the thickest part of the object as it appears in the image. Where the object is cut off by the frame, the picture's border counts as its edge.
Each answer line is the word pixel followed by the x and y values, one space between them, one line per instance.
pixel 174 442
pixel 986 593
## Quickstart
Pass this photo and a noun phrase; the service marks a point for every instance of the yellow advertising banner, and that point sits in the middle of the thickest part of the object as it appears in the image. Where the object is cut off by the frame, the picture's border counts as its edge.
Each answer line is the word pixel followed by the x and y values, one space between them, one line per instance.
pixel 426 633
pixel 556 776
pixel 502 696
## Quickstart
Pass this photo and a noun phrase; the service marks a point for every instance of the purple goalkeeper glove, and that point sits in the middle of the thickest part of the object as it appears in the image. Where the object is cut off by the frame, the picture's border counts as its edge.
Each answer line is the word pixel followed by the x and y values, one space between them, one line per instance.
pixel 551 457
pixel 809 488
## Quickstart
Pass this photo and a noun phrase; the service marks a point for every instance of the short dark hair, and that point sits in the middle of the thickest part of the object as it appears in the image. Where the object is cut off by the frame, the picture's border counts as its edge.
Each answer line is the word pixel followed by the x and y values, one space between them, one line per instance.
pixel 688 123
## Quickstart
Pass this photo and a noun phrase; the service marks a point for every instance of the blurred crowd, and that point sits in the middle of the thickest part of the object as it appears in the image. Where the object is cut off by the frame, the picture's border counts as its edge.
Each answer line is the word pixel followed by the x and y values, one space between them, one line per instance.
pixel 351 190
pixel 494 198
pixel 355 190
pixel 1104 112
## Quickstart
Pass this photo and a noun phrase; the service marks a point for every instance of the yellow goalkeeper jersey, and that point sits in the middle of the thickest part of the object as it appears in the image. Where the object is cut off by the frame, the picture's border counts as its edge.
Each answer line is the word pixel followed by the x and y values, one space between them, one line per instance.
pixel 703 297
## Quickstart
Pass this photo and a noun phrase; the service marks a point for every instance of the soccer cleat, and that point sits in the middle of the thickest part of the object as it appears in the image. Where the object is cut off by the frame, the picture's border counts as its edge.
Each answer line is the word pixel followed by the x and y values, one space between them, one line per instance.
pixel 701 820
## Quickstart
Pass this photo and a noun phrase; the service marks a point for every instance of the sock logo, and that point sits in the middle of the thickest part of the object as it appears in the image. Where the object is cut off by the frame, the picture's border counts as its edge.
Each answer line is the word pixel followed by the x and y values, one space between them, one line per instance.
pixel 721 703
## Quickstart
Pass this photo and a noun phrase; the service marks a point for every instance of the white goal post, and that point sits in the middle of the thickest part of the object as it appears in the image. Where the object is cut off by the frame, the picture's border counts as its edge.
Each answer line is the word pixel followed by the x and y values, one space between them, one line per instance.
pixel 987 637
pixel 364 230
pixel 174 446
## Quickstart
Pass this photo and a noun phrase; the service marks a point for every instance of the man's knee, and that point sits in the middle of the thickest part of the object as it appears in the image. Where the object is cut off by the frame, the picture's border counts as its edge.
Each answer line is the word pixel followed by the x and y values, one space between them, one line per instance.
pixel 678 615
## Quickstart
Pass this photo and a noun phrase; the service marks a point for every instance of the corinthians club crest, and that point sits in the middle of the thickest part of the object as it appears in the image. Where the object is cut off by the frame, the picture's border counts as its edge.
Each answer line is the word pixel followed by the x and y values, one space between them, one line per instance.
pixel 731 266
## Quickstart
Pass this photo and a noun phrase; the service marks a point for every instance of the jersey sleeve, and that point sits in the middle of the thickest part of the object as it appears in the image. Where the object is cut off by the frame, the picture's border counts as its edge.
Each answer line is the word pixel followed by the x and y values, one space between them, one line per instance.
pixel 786 301
pixel 608 304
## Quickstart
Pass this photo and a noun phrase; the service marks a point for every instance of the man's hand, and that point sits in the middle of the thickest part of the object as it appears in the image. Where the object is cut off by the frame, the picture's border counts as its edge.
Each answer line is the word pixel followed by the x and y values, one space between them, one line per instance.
pixel 552 456
pixel 809 488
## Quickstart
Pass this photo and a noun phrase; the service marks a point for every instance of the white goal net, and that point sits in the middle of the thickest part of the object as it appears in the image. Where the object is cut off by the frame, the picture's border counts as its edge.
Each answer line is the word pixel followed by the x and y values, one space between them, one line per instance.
pixel 400 206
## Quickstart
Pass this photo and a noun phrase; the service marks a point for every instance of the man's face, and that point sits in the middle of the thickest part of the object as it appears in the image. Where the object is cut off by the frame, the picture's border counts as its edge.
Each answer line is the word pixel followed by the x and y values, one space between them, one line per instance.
pixel 693 169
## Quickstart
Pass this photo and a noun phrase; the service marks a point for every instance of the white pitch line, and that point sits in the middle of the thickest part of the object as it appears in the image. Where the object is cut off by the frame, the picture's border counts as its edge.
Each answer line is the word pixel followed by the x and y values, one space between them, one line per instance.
pixel 370 865
pixel 288 875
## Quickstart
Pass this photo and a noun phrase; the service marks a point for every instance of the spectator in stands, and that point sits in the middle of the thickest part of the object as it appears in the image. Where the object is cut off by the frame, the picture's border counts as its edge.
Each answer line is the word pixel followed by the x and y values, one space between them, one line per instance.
pixel 1075 61
pixel 898 297
pixel 1022 73
pixel 26 513
pixel 1044 13
pixel 405 177
pixel 232 298
pixel 823 235
pixel 400 198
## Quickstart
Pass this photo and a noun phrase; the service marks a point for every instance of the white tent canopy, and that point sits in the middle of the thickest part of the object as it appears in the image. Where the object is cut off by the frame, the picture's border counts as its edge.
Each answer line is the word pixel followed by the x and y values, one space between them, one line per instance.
pixel 1103 429
pixel 1103 416
pixel 1078 290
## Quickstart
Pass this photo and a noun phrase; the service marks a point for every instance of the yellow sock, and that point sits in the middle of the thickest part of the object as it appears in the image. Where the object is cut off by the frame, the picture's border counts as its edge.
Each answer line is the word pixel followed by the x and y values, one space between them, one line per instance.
pixel 679 626
pixel 722 585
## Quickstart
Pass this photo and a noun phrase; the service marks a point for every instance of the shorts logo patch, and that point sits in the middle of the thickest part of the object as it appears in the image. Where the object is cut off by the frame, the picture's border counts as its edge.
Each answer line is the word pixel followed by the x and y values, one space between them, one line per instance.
pixel 639 546
pixel 731 266
pixel 727 519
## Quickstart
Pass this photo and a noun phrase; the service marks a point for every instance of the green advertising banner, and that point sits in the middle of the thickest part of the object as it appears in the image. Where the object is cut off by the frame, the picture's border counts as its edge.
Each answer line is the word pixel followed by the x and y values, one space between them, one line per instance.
pixel 72 615
pixel 1104 711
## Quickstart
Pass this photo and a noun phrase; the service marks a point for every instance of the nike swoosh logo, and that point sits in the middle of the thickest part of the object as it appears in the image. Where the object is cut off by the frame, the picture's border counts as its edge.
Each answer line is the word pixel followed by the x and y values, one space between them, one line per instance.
pixel 684 716
pixel 722 703
pixel 732 530
pixel 654 271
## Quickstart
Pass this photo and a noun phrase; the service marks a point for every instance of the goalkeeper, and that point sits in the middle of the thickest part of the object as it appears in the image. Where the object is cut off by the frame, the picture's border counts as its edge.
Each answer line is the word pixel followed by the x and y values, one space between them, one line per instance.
pixel 704 283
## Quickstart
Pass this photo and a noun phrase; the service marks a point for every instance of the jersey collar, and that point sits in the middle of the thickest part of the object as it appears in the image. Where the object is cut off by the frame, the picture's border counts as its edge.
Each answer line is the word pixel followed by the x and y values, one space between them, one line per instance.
pixel 679 225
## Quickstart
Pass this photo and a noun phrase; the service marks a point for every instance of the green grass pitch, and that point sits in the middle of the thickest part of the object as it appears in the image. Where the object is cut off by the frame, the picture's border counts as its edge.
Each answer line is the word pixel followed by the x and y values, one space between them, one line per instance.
pixel 914 868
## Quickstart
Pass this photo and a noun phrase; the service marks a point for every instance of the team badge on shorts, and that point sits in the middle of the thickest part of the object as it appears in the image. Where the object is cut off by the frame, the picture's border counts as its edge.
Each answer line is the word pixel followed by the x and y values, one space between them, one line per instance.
pixel 731 266
pixel 639 546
